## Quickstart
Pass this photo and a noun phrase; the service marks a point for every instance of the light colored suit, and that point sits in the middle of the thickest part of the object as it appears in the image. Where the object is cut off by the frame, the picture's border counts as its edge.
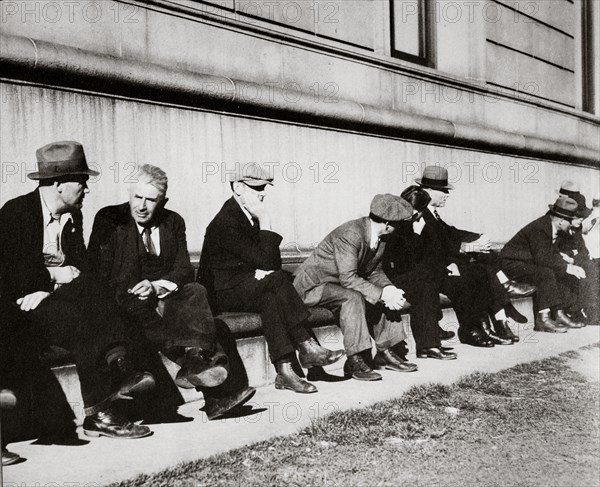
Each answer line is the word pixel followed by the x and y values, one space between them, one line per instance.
pixel 343 273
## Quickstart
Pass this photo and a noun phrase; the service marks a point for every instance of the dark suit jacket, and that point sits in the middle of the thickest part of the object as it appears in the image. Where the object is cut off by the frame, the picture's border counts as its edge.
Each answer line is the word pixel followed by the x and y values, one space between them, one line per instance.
pixel 234 248
pixel 441 242
pixel 343 257
pixel 573 245
pixel 114 246
pixel 22 268
pixel 533 244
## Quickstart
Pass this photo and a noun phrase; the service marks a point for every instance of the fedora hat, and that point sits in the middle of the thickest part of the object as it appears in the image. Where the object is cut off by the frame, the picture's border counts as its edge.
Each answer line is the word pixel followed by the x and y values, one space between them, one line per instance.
pixel 252 175
pixel 435 177
pixel 60 159
pixel 568 188
pixel 564 207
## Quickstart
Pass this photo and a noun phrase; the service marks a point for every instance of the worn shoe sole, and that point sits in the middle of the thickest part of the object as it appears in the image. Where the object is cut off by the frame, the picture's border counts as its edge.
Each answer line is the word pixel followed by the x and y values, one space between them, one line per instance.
pixel 146 384
pixel 212 377
pixel 242 398
pixel 10 459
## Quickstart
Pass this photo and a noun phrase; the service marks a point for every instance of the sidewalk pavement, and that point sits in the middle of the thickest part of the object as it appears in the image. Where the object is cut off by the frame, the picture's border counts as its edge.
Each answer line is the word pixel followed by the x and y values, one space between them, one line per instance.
pixel 103 460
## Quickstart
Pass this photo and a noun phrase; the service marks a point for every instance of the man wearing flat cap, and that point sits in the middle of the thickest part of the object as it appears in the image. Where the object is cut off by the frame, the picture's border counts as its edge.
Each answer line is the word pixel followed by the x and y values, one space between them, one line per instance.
pixel 533 256
pixel 139 249
pixel 44 275
pixel 469 272
pixel 241 267
pixel 344 273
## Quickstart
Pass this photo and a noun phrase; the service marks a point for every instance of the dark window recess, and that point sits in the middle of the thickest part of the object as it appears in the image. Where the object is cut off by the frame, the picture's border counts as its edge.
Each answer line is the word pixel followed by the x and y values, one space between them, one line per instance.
pixel 588 53
pixel 411 31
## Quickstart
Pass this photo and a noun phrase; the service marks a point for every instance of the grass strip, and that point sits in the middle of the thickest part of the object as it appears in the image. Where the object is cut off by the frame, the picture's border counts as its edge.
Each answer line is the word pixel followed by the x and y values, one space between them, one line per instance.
pixel 534 424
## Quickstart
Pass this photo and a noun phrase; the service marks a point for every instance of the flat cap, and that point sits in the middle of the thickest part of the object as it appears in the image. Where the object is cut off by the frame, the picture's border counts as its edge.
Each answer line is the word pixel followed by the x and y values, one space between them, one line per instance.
pixel 251 174
pixel 391 208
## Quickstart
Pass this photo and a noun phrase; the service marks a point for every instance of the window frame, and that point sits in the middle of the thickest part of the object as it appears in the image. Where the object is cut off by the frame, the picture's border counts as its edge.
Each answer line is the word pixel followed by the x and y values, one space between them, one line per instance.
pixel 425 57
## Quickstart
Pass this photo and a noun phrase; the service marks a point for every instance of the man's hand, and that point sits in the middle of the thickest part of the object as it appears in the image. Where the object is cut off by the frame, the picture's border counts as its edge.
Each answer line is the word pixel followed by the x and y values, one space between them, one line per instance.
pixel 143 289
pixel 32 301
pixel 576 271
pixel 453 270
pixel 64 275
pixel 393 298
pixel 567 259
pixel 482 244
pixel 260 274
pixel 253 203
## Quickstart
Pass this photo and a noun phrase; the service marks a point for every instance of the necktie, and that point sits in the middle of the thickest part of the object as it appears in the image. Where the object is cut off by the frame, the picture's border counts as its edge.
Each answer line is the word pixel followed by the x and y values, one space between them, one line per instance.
pixel 148 241
pixel 436 214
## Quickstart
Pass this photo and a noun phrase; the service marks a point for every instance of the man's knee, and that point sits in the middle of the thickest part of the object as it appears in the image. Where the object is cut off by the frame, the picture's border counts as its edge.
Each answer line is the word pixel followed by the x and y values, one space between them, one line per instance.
pixel 194 289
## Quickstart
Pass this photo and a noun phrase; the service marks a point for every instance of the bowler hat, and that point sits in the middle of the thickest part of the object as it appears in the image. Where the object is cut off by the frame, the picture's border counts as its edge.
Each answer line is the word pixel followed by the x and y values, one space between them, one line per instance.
pixel 60 159
pixel 564 208
pixel 251 174
pixel 391 208
pixel 435 177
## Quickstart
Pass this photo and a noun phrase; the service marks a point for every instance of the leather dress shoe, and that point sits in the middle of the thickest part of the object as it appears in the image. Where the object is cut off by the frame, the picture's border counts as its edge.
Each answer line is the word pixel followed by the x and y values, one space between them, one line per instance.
pixel 513 314
pixel 8 457
pixel 287 379
pixel 436 353
pixel 107 423
pixel 387 359
pixel 503 330
pixel 474 337
pixel 519 289
pixel 200 368
pixel 563 319
pixel 358 369
pixel 215 407
pixel 492 336
pixel 446 334
pixel 128 382
pixel 543 322
pixel 311 354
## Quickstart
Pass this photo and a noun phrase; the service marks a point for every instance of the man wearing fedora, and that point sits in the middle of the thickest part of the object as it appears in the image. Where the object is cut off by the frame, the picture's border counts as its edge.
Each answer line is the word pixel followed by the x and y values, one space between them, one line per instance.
pixel 241 267
pixel 139 249
pixel 344 273
pixel 533 256
pixel 44 274
pixel 475 289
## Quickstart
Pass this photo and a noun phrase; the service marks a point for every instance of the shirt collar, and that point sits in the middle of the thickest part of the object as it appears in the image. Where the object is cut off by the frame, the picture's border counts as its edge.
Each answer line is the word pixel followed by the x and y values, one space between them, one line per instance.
pixel 141 229
pixel 373 237
pixel 49 218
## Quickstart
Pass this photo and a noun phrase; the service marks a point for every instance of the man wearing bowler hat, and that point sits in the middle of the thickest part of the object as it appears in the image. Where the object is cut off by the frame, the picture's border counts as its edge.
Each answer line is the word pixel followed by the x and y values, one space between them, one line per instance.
pixel 533 256
pixel 44 275
pixel 345 273
pixel 475 289
pixel 241 267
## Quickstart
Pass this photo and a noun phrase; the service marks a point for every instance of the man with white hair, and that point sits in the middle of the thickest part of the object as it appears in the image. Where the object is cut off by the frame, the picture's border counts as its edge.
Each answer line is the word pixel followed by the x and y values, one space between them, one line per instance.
pixel 139 248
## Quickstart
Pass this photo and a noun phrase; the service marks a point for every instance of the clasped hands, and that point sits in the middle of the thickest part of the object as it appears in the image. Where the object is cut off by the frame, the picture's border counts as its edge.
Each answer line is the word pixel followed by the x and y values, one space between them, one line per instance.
pixel 393 298
pixel 145 288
